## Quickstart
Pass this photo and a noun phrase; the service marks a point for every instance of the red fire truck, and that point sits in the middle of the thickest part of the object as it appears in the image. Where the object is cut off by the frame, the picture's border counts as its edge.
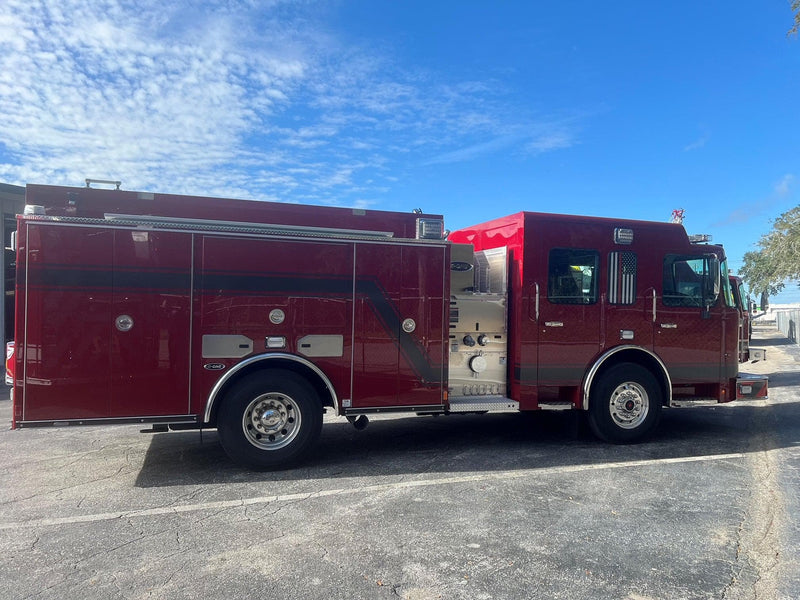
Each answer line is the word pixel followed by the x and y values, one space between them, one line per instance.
pixel 256 317
pixel 743 303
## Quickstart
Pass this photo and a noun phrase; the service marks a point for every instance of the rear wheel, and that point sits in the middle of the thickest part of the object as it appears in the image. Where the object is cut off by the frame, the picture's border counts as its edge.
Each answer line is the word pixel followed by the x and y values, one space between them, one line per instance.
pixel 625 405
pixel 270 420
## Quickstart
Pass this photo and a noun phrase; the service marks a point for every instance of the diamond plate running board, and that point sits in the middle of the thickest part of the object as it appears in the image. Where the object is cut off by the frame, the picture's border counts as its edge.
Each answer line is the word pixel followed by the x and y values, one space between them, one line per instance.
pixel 483 404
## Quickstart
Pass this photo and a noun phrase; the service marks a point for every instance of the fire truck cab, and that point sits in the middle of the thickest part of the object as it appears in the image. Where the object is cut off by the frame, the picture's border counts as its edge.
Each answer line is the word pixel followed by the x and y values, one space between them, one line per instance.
pixel 615 317
pixel 255 317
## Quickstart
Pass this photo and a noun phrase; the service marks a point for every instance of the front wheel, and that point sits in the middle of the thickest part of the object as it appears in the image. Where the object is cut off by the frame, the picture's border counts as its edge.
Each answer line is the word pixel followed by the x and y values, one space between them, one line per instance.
pixel 270 420
pixel 625 405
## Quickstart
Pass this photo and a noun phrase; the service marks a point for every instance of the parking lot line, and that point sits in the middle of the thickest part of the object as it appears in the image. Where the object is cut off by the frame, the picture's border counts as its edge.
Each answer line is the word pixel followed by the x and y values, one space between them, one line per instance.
pixel 399 485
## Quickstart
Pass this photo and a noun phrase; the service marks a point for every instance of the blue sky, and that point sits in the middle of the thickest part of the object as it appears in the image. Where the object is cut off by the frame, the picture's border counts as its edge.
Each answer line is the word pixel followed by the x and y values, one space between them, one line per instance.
pixel 470 109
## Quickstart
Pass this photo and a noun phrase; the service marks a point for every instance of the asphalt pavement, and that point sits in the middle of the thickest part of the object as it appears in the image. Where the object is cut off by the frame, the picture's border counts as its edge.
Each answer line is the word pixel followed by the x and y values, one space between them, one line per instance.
pixel 474 507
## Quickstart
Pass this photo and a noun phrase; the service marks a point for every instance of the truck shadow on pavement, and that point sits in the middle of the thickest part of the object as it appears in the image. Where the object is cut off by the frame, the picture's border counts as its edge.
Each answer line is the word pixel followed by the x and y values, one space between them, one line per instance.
pixel 481 443
pixel 766 342
pixel 786 379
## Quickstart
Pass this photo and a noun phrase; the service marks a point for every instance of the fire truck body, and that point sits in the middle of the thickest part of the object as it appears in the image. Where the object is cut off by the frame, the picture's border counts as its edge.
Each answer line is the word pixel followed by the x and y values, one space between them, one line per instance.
pixel 252 317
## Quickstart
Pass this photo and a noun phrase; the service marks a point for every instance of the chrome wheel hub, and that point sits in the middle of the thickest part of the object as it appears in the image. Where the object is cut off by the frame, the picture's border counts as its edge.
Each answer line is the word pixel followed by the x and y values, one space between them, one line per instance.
pixel 629 405
pixel 271 421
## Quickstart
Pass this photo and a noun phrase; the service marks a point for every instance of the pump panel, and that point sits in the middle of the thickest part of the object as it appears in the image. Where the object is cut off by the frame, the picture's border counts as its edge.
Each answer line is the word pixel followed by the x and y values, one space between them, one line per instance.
pixel 478 333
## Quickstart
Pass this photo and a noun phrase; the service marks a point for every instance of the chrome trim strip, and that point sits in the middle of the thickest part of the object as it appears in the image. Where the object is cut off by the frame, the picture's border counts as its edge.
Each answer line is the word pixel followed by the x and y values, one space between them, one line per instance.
pixel 270 227
pixel 409 408
pixel 191 323
pixel 556 406
pixel 24 349
pixel 353 329
pixel 655 296
pixel 243 233
pixel 110 421
pixel 322 345
pixel 226 346
pixel 212 397
pixel 492 403
pixel 691 402
pixel 587 384
pixel 445 370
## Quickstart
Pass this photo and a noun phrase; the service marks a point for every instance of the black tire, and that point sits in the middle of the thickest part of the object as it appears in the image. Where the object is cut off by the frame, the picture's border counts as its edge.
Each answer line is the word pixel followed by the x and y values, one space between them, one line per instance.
pixel 270 420
pixel 625 404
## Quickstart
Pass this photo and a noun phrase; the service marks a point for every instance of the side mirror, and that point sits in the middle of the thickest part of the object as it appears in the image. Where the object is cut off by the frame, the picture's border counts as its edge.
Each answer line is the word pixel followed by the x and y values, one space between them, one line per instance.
pixel 711 282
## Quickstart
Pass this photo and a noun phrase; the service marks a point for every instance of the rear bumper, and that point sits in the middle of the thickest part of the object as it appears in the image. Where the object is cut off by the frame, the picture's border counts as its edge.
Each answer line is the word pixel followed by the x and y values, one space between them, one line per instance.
pixel 751 387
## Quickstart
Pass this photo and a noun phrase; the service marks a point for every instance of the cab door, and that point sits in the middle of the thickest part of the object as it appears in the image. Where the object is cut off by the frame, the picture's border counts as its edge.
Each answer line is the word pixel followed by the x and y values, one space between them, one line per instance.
pixel 569 320
pixel 689 328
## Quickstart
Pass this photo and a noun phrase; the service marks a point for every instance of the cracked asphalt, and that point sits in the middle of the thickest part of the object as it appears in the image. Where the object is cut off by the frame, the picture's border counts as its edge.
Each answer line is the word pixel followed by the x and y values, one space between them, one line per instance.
pixel 473 507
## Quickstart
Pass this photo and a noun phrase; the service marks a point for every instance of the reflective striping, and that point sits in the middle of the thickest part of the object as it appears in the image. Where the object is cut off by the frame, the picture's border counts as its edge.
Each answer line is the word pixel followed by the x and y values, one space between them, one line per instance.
pixel 367 489
pixel 381 303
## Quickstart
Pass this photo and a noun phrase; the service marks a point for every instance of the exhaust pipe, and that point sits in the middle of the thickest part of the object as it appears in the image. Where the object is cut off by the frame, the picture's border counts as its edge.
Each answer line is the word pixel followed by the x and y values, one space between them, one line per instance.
pixel 360 422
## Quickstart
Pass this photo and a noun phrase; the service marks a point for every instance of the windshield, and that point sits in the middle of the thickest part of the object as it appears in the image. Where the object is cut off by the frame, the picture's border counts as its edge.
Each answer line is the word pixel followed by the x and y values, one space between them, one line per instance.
pixel 727 292
pixel 743 298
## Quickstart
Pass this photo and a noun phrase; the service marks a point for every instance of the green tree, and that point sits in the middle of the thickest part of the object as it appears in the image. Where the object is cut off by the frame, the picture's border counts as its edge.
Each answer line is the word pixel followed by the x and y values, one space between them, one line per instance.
pixel 757 272
pixel 778 257
pixel 796 9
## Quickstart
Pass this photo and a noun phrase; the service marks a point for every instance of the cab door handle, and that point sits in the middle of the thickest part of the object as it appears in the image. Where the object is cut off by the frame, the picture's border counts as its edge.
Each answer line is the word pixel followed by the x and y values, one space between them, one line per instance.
pixel 553 324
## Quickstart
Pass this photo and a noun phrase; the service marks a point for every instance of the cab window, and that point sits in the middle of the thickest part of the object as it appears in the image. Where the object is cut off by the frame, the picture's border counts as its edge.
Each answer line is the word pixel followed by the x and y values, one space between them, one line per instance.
pixel 683 280
pixel 572 276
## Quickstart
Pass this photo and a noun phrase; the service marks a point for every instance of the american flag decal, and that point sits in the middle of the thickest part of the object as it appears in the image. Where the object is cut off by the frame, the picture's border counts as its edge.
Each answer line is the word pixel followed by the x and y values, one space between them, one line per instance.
pixel 621 278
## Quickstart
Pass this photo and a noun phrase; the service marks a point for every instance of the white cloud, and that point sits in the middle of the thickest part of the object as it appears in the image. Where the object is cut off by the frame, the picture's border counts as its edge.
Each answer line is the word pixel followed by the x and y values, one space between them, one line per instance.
pixel 700 142
pixel 97 92
pixel 785 185
pixel 554 140
pixel 742 214
pixel 235 98
pixel 474 151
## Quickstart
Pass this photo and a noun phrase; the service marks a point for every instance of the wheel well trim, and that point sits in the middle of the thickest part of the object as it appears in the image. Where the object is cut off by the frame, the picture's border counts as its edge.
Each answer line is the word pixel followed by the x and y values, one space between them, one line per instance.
pixel 215 391
pixel 592 373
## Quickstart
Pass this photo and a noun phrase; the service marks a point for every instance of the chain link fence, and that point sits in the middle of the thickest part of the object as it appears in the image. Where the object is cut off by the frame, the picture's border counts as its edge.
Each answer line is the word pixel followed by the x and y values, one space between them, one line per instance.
pixel 787 322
